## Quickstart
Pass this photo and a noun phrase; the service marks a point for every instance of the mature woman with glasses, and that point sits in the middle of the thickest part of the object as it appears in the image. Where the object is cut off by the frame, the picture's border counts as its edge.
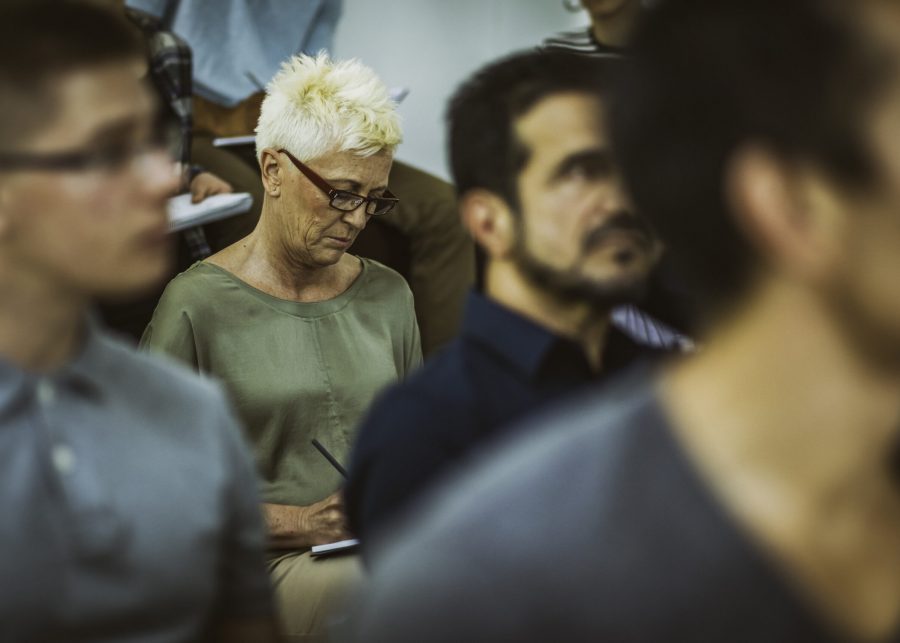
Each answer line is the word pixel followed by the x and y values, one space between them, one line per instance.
pixel 303 334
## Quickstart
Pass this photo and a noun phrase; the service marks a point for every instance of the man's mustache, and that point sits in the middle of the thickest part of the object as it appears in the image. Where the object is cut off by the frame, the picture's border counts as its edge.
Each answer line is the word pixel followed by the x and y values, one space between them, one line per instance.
pixel 622 222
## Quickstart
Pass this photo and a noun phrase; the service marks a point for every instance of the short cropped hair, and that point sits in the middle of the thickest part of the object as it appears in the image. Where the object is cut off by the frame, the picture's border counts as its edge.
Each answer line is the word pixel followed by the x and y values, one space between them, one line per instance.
pixel 710 77
pixel 40 42
pixel 315 106
pixel 484 150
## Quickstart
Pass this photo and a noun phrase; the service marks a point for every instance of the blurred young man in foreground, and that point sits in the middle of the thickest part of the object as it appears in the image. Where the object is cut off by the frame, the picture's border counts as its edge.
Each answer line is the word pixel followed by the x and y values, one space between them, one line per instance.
pixel 129 498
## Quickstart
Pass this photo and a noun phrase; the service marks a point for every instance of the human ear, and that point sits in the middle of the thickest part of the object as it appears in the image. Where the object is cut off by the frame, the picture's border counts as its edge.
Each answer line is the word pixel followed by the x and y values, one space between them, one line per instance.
pixel 5 210
pixel 788 212
pixel 489 221
pixel 270 168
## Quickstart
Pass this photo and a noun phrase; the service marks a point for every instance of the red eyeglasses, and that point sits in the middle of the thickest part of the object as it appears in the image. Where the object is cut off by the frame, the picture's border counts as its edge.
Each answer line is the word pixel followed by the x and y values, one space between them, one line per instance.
pixel 342 199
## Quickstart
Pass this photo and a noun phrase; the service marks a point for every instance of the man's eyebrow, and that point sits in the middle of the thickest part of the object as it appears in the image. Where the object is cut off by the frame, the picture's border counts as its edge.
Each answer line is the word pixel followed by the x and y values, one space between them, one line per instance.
pixel 116 130
pixel 596 156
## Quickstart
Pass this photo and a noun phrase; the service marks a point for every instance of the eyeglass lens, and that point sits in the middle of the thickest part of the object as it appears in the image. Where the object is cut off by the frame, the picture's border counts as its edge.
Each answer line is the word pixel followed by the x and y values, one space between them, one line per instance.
pixel 347 202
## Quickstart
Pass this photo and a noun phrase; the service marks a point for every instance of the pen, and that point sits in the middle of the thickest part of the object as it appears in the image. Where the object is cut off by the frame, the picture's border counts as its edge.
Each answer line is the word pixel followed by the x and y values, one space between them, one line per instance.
pixel 329 457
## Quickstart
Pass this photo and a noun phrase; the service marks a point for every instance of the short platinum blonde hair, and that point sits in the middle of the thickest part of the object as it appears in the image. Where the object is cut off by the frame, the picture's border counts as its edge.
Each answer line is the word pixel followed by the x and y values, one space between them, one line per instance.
pixel 315 106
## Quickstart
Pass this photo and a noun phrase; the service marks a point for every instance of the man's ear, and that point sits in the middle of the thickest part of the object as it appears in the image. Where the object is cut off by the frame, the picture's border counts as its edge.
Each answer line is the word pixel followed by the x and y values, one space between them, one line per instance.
pixel 489 220
pixel 5 210
pixel 789 212
pixel 270 168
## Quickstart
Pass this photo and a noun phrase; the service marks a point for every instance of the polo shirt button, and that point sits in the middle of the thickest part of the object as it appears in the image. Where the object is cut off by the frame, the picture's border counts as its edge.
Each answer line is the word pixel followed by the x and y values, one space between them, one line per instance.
pixel 63 459
pixel 46 393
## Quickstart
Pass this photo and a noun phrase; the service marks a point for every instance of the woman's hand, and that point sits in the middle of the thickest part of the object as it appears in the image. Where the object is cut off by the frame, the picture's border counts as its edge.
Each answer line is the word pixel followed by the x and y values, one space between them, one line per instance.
pixel 293 527
pixel 325 521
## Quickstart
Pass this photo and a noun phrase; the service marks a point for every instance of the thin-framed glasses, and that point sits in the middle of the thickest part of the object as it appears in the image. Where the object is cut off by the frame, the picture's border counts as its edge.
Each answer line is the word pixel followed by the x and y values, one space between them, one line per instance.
pixel 342 199
pixel 104 158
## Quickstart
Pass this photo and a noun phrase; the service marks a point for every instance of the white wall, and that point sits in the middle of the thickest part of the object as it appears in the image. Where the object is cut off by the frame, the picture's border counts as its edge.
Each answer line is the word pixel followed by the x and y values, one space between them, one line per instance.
pixel 432 45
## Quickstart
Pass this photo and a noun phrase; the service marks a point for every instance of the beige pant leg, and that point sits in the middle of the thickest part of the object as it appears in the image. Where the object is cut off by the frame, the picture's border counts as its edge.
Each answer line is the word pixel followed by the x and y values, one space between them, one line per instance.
pixel 311 592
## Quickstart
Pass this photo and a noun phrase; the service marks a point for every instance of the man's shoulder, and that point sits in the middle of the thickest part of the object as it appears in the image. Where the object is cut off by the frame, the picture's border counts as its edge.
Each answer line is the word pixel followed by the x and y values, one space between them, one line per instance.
pixel 531 473
pixel 152 379
pixel 437 394
pixel 567 445
pixel 409 437
pixel 600 509
pixel 541 494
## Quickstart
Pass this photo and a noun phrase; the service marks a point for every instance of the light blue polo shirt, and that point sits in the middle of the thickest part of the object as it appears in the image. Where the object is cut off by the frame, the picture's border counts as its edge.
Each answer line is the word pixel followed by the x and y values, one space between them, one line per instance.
pixel 239 45
pixel 130 510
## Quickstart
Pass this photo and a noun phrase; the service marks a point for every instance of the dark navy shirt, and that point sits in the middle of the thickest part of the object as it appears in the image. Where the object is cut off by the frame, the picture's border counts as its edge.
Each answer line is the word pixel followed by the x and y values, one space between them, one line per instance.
pixel 501 368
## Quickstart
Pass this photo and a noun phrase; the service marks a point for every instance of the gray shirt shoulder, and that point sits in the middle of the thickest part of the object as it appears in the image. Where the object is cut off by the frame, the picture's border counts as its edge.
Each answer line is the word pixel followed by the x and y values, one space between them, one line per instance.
pixel 137 516
pixel 593 527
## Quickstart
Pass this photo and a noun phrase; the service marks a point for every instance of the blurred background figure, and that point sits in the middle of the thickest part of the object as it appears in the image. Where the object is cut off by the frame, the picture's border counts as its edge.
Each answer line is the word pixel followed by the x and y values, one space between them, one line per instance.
pixel 261 36
pixel 748 492
pixel 541 193
pixel 612 24
pixel 303 334
pixel 170 69
pixel 131 503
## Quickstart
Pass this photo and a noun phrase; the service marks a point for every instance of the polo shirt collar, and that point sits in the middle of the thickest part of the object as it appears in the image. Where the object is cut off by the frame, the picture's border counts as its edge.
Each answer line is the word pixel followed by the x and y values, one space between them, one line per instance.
pixel 82 374
pixel 87 370
pixel 13 383
pixel 518 340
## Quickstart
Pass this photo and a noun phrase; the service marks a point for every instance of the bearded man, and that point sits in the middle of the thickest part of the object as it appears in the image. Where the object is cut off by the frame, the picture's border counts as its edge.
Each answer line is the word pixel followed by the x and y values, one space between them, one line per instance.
pixel 540 192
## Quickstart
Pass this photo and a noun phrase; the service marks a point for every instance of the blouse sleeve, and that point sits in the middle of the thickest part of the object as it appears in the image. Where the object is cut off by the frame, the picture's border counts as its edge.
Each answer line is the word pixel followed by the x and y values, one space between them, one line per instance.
pixel 412 342
pixel 171 329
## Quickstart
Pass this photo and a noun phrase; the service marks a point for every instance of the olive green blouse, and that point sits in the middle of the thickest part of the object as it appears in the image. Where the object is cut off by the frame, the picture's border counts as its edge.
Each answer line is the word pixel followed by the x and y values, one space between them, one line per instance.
pixel 294 371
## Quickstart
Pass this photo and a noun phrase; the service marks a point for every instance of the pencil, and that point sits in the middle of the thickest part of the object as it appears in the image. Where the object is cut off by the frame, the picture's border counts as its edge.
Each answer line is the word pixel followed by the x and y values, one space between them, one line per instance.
pixel 329 457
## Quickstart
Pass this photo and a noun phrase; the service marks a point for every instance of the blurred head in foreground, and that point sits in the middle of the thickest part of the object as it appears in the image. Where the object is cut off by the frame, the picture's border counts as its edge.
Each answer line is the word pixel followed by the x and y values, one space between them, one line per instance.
pixel 767 161
pixel 83 175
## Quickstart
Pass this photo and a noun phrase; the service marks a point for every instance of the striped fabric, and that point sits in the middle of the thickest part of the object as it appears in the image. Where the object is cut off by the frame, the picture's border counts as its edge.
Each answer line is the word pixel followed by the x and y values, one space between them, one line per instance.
pixel 649 331
pixel 581 41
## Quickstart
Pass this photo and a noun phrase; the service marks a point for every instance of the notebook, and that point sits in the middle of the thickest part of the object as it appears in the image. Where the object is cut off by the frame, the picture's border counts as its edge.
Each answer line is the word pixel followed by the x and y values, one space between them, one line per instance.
pixel 184 214
pixel 341 546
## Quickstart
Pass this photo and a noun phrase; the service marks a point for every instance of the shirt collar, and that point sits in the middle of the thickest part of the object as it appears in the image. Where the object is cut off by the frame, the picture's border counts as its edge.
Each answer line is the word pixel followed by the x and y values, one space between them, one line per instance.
pixel 82 374
pixel 86 371
pixel 13 382
pixel 518 340
pixel 536 351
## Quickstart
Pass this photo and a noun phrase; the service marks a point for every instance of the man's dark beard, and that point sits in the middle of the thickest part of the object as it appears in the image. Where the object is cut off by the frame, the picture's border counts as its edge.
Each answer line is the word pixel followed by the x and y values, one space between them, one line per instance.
pixel 877 339
pixel 571 285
